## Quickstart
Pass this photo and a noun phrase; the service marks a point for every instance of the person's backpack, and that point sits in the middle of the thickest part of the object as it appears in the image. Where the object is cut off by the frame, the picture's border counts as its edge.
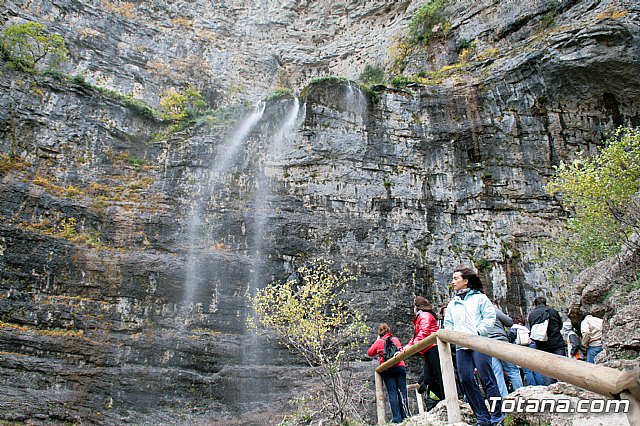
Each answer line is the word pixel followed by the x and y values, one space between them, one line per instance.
pixel 522 335
pixel 390 349
pixel 539 329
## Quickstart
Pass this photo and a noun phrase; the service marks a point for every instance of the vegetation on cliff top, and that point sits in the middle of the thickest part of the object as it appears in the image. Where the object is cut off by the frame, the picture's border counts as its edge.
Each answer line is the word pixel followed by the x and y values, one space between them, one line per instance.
pixel 428 21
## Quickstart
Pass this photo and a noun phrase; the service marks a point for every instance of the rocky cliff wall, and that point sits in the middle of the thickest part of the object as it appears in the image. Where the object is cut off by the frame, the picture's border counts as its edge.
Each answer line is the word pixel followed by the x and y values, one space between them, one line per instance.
pixel 127 252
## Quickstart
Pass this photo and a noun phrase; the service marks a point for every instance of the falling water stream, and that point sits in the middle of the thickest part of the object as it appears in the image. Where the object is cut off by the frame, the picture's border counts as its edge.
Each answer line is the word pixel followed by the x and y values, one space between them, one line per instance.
pixel 264 181
pixel 355 100
pixel 226 156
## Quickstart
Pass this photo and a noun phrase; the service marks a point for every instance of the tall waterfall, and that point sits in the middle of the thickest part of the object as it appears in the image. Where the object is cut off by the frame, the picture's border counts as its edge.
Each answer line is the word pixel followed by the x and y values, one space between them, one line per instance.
pixel 225 157
pixel 264 181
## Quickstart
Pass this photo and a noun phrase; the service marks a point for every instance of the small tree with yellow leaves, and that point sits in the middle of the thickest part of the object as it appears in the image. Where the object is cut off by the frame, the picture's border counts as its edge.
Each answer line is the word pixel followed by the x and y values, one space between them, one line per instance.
pixel 311 316
pixel 179 105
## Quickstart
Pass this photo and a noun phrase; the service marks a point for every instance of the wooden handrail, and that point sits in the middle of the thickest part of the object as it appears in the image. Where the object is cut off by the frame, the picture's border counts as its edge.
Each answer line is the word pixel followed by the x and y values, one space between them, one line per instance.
pixel 430 340
pixel 606 381
pixel 596 378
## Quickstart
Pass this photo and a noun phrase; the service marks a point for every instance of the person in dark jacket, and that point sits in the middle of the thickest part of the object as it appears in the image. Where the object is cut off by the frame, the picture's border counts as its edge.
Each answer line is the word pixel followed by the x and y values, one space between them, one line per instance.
pixel 425 323
pixel 574 346
pixel 554 343
pixel 395 378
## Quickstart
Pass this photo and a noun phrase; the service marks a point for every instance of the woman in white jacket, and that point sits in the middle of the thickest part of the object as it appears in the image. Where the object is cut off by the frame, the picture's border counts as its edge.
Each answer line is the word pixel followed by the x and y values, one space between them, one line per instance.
pixel 470 311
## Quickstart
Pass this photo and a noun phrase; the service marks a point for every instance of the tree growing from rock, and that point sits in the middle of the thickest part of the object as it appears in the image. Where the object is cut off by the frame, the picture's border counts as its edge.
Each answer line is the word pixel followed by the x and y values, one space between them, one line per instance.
pixel 24 46
pixel 178 105
pixel 602 193
pixel 311 317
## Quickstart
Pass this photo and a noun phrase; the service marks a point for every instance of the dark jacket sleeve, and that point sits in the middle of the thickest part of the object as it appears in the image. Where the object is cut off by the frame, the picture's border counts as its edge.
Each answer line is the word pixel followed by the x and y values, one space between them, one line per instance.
pixel 575 343
pixel 504 318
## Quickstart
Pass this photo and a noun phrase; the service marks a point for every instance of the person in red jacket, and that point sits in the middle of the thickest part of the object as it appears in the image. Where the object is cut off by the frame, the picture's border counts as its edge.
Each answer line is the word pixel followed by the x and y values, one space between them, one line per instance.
pixel 424 324
pixel 395 378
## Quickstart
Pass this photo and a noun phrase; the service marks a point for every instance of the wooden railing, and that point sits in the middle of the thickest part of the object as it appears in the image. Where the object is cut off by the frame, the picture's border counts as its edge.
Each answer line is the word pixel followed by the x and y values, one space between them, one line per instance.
pixel 606 381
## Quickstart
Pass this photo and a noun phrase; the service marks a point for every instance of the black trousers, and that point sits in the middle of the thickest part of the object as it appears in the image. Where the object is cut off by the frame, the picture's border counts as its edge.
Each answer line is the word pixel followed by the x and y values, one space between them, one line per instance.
pixel 431 374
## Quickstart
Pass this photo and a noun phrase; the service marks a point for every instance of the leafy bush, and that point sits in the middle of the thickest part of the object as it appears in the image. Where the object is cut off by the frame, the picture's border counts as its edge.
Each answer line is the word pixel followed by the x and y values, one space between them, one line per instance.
pixel 428 20
pixel 602 193
pixel 329 78
pixel 310 316
pixel 372 74
pixel 279 94
pixel 25 45
pixel 179 105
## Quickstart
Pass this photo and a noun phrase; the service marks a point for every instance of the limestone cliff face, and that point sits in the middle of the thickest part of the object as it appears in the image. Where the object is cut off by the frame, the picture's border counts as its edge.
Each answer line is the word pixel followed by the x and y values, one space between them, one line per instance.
pixel 127 252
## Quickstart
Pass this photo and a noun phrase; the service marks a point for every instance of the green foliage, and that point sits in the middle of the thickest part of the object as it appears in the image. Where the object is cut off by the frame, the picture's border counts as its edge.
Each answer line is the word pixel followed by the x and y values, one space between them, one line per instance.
pixel 56 75
pixel 372 74
pixel 11 162
pixel 311 317
pixel 179 105
pixel 431 78
pixel 482 264
pixel 427 21
pixel 280 93
pixel 399 81
pixel 599 190
pixel 129 101
pixel 25 45
pixel 136 105
pixel 328 78
pixel 371 93
pixel 67 229
pixel 601 193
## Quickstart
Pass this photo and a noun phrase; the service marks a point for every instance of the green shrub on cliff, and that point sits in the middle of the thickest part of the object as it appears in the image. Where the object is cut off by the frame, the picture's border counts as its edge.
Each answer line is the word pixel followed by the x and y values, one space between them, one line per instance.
pixel 602 193
pixel 178 105
pixel 429 20
pixel 372 74
pixel 24 46
pixel 281 93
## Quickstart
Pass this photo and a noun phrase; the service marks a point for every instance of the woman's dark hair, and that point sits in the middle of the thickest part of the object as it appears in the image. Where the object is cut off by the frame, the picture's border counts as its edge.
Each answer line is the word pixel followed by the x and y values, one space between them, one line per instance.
pixel 518 319
pixel 540 300
pixel 442 309
pixel 422 303
pixel 473 280
pixel 383 329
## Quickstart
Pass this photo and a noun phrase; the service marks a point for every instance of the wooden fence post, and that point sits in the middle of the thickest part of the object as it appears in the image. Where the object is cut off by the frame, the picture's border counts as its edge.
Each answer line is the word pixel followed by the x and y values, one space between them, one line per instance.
pixel 419 401
pixel 634 409
pixel 380 399
pixel 449 382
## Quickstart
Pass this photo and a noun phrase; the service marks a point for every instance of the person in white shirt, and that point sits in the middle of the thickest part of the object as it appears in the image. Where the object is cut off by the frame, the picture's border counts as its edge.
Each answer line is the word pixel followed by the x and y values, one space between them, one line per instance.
pixel 591 330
